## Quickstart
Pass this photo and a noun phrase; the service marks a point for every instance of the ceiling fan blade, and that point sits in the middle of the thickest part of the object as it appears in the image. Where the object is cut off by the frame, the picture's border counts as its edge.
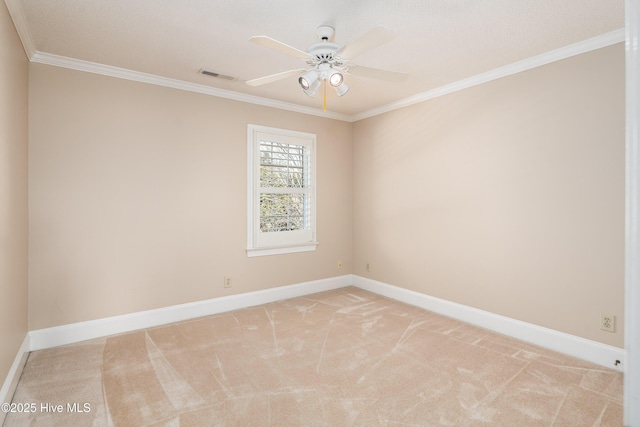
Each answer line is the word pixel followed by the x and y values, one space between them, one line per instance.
pixel 280 47
pixel 378 73
pixel 373 38
pixel 274 77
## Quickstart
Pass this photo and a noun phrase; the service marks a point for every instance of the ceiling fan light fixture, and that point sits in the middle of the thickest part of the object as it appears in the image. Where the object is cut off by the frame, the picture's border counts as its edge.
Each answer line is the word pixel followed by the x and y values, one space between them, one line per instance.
pixel 313 89
pixel 342 89
pixel 307 81
pixel 336 79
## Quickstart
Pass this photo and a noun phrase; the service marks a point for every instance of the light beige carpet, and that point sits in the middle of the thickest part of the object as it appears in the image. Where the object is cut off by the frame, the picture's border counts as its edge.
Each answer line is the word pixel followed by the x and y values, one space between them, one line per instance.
pixel 340 358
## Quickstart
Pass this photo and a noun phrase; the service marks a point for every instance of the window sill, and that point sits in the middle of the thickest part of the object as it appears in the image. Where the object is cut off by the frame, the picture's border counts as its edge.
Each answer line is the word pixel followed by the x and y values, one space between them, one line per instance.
pixel 277 250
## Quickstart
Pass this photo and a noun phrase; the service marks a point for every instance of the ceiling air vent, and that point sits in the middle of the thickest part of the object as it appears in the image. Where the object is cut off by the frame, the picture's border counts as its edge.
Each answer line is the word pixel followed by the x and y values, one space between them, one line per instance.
pixel 216 75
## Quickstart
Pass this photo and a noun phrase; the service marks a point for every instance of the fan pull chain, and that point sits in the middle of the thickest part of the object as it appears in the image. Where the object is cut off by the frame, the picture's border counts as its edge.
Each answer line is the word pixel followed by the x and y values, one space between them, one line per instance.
pixel 324 104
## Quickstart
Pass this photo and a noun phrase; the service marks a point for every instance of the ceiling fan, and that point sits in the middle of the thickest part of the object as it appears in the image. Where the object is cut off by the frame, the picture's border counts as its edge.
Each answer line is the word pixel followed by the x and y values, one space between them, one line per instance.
pixel 329 62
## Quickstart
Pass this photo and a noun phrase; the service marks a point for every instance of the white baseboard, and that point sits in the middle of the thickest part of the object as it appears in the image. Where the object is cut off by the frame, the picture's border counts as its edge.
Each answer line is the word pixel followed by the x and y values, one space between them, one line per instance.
pixel 82 331
pixel 571 345
pixel 592 351
pixel 11 381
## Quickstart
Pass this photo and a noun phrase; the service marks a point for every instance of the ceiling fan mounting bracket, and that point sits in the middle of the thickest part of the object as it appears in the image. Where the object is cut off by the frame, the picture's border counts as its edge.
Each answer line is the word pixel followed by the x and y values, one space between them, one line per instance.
pixel 324 51
pixel 325 32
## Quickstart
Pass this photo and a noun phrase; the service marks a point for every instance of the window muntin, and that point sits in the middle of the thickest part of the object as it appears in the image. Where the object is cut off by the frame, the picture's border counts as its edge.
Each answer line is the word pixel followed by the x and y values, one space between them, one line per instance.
pixel 284 187
pixel 282 193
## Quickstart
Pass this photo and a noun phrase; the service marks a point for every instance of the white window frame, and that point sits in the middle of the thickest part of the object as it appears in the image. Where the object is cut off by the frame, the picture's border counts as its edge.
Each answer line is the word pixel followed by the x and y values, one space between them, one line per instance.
pixel 272 243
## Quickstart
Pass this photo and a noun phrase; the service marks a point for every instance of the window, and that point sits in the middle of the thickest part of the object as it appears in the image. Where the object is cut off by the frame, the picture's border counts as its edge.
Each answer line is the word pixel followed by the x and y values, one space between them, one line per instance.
pixel 281 191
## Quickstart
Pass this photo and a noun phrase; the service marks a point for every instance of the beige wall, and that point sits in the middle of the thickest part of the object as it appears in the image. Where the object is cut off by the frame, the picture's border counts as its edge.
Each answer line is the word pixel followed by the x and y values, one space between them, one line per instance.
pixel 508 196
pixel 138 197
pixel 13 193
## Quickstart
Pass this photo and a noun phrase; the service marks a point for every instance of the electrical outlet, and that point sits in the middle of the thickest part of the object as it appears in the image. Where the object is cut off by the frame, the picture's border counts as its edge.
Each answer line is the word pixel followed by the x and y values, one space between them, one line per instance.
pixel 227 282
pixel 367 266
pixel 339 265
pixel 607 322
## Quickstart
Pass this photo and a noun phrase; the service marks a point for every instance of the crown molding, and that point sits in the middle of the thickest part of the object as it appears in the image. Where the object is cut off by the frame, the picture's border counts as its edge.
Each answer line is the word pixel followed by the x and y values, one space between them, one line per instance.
pixel 19 21
pixel 123 73
pixel 608 39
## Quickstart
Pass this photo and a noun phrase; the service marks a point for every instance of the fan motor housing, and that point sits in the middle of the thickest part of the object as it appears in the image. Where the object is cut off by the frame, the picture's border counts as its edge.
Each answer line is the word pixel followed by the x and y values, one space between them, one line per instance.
pixel 323 52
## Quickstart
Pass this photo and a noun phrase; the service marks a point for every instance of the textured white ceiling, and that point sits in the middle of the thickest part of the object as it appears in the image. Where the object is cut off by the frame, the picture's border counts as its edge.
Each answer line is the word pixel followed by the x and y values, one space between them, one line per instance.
pixel 438 41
